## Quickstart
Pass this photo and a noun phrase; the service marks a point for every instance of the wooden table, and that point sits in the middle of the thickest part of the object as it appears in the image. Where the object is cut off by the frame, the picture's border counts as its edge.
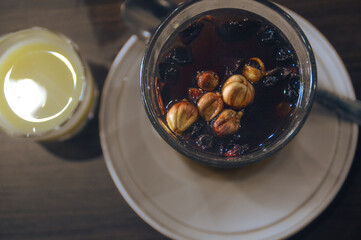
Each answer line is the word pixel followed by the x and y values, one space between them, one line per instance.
pixel 63 190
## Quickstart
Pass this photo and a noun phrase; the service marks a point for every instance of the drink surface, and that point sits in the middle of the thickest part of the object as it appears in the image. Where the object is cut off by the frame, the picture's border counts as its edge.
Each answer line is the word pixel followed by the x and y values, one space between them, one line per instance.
pixel 223 42
pixel 41 84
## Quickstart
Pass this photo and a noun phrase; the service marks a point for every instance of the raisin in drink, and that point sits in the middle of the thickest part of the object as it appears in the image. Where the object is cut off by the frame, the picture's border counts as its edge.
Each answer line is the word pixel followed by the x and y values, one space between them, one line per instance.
pixel 227 82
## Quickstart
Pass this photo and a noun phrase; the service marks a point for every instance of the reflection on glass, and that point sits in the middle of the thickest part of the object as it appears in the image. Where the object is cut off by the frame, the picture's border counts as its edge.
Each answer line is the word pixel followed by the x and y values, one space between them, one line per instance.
pixel 28 98
pixel 42 84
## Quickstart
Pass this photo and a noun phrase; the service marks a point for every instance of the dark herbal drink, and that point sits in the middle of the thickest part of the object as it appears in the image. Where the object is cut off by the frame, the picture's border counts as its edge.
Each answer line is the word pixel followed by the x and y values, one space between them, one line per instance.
pixel 227 82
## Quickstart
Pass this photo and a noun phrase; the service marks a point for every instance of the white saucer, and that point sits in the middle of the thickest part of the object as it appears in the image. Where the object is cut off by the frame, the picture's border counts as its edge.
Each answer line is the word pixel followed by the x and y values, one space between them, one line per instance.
pixel 184 200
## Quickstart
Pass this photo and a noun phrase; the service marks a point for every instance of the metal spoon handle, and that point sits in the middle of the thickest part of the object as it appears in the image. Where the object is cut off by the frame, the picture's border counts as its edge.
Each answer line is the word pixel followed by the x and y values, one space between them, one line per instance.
pixel 346 108
pixel 144 16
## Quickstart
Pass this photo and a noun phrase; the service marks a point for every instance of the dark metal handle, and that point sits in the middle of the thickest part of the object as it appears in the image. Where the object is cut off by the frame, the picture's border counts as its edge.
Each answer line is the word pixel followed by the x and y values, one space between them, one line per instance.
pixel 346 108
pixel 144 16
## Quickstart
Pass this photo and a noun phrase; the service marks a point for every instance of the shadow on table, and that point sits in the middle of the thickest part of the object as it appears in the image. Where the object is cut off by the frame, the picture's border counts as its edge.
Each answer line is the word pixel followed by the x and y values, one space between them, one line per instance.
pixel 86 144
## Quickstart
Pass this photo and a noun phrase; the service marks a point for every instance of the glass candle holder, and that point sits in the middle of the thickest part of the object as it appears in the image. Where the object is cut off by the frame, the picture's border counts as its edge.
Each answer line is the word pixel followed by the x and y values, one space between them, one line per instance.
pixel 46 90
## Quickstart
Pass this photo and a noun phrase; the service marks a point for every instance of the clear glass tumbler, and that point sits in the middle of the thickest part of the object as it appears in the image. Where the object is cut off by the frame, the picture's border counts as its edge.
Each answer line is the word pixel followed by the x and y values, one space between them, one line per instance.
pixel 271 12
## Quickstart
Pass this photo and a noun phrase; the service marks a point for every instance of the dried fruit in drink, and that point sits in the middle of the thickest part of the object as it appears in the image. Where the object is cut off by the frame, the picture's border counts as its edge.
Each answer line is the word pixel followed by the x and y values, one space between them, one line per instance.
pixel 210 105
pixel 207 80
pixel 284 54
pixel 237 150
pixel 231 31
pixel 168 72
pixel 254 70
pixel 181 116
pixel 237 92
pixel 269 35
pixel 227 123
pixel 194 94
pixel 180 55
pixel 205 141
pixel 191 32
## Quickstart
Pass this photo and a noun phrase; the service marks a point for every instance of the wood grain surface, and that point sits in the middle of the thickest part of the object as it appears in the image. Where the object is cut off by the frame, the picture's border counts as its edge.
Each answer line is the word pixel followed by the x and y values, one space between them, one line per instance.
pixel 63 190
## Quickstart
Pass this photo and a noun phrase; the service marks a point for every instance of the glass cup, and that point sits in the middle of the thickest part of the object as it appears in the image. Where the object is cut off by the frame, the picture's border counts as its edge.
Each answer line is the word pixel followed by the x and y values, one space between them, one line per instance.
pixel 46 89
pixel 265 9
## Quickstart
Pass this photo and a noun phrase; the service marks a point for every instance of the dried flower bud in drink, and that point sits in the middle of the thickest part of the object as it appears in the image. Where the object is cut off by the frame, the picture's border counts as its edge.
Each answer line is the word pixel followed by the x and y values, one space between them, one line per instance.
pixel 254 70
pixel 226 123
pixel 210 105
pixel 181 116
pixel 237 92
pixel 207 80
